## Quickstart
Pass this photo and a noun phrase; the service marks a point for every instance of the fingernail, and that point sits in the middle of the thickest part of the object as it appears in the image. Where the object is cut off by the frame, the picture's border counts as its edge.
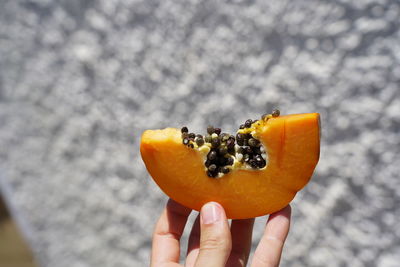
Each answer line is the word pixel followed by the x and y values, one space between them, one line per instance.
pixel 210 213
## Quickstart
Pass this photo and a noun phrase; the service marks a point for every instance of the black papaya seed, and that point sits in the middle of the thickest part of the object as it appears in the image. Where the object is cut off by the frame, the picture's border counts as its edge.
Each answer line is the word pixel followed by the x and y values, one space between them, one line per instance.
pixel 225 170
pixel 276 113
pixel 210 129
pixel 200 141
pixel 215 143
pixel 212 167
pixel 229 161
pixel 248 123
pixel 212 155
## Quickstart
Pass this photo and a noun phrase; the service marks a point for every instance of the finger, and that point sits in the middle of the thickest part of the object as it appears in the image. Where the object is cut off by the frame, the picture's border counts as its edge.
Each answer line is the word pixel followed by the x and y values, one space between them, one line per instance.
pixel 269 250
pixel 242 231
pixel 194 243
pixel 215 236
pixel 168 232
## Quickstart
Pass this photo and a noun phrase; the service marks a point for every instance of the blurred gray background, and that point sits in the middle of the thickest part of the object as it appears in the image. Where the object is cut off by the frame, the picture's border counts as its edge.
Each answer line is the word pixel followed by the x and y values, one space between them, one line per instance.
pixel 81 80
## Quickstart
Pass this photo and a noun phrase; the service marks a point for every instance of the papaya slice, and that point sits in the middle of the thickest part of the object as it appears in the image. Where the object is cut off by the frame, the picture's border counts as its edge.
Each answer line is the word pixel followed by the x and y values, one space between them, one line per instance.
pixel 289 146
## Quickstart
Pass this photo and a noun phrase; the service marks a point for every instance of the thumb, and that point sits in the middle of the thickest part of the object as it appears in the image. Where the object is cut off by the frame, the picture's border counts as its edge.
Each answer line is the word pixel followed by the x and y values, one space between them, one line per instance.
pixel 215 236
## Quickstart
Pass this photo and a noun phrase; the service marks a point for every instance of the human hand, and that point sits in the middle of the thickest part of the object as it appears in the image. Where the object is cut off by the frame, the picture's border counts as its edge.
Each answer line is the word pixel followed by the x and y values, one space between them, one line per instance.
pixel 212 243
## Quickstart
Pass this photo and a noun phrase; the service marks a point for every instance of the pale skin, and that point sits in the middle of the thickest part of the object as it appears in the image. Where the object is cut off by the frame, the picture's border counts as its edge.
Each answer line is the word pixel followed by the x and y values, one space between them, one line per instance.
pixel 212 242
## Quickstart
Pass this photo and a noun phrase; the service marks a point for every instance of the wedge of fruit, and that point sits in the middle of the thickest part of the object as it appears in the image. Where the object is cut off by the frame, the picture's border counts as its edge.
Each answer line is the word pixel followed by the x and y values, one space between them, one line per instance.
pixel 255 172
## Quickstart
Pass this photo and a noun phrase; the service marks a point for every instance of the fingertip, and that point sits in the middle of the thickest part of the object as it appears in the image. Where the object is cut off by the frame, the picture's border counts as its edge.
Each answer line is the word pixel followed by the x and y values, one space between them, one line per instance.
pixel 269 250
pixel 212 212
pixel 286 212
pixel 278 224
pixel 167 233
pixel 213 203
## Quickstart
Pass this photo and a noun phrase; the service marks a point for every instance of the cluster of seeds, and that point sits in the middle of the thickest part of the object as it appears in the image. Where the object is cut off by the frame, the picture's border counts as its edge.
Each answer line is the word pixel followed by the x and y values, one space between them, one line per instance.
pixel 225 149
pixel 221 155
pixel 250 151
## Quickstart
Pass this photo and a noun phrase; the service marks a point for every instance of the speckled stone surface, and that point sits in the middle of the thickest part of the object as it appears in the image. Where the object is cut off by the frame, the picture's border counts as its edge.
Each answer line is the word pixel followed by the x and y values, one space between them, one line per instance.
pixel 81 80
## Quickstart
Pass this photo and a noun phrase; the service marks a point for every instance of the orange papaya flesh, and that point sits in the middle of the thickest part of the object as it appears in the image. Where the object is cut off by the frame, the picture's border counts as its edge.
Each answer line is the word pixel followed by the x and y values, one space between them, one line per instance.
pixel 292 143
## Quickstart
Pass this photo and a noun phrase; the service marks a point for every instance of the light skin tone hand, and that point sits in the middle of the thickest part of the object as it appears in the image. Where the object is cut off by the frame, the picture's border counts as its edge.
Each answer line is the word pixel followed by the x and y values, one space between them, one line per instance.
pixel 212 242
